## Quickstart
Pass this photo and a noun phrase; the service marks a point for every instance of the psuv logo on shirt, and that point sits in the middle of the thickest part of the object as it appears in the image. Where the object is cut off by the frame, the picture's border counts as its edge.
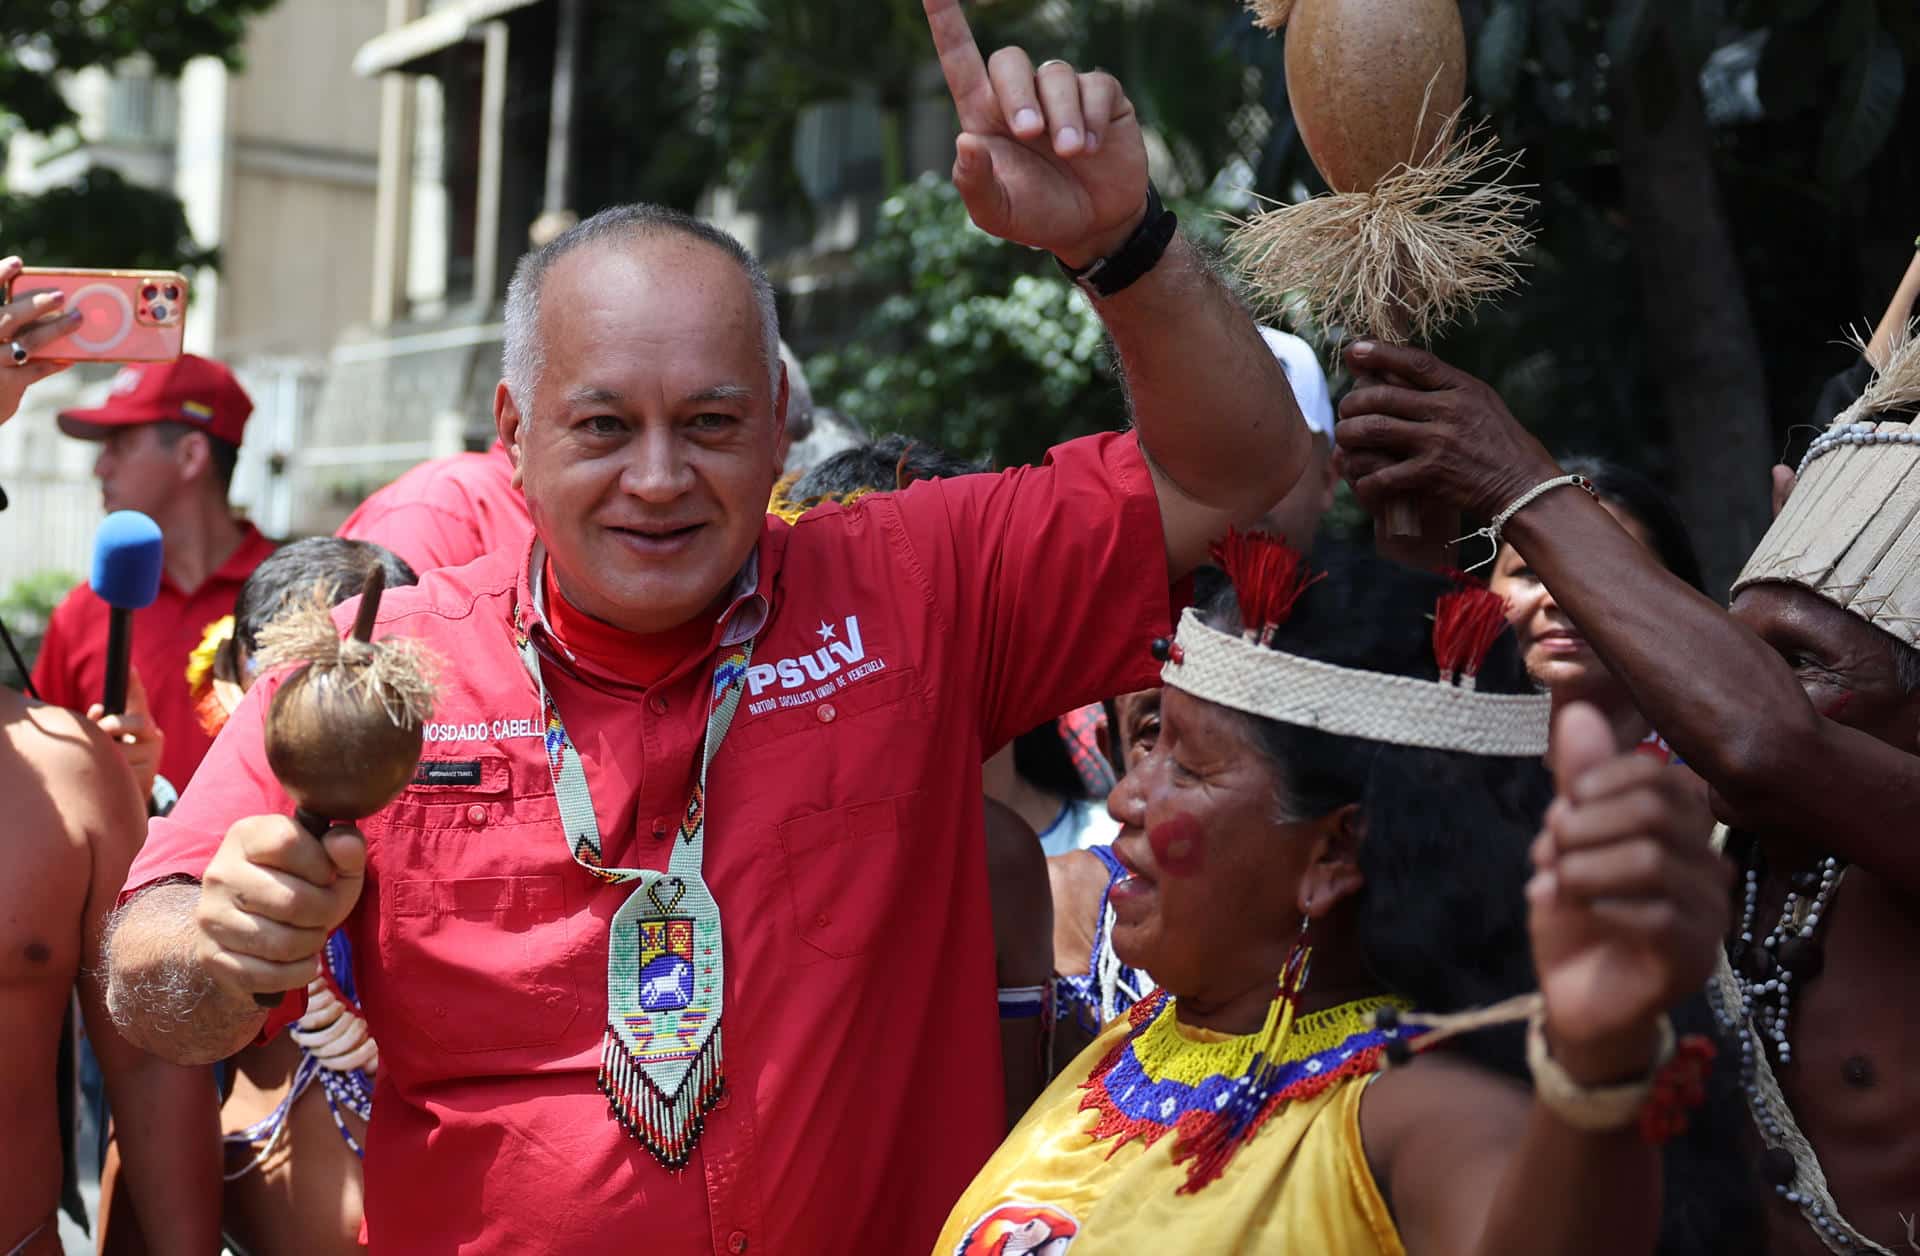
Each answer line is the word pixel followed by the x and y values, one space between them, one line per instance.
pixel 806 678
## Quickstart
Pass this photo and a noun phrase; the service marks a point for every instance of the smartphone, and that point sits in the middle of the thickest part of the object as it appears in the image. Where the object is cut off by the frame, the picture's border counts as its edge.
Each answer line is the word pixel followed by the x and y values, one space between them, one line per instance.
pixel 126 315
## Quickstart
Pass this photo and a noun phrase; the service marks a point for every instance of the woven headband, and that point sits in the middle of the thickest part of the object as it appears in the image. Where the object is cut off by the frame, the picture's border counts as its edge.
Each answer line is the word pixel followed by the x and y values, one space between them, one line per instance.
pixel 1347 702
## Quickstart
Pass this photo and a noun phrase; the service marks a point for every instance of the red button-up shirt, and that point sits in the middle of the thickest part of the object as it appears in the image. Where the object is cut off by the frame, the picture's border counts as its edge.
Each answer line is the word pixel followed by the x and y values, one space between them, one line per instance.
pixel 900 641
pixel 71 670
pixel 447 512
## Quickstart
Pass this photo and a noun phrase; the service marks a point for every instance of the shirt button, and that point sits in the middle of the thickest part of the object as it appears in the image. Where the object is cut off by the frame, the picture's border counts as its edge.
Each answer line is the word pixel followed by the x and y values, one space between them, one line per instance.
pixel 657 704
pixel 660 828
pixel 476 814
pixel 737 1241
pixel 828 713
pixel 822 920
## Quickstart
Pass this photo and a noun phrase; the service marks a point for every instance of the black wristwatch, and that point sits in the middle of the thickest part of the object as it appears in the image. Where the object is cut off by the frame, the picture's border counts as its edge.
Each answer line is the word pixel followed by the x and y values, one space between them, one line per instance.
pixel 1140 254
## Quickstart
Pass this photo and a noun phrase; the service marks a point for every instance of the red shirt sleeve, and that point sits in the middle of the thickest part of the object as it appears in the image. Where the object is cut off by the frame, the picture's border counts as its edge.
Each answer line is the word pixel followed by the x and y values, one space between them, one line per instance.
pixel 426 535
pixel 53 668
pixel 1050 581
pixel 233 781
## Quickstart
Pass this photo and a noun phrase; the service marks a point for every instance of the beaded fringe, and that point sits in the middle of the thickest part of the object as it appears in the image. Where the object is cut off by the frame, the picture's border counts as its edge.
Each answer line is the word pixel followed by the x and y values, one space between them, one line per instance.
pixel 668 1126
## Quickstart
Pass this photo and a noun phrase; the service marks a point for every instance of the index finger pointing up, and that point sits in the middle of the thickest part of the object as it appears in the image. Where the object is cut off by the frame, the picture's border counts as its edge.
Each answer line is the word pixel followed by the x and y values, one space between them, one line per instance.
pixel 966 70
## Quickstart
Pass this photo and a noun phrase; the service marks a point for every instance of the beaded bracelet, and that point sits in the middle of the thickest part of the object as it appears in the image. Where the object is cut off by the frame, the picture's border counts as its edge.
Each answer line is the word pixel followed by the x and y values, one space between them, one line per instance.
pixel 1492 530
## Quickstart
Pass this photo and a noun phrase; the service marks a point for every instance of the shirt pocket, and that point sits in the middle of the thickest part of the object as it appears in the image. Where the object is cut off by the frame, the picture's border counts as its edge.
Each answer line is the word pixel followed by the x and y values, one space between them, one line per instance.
pixel 896 692
pixel 843 867
pixel 484 961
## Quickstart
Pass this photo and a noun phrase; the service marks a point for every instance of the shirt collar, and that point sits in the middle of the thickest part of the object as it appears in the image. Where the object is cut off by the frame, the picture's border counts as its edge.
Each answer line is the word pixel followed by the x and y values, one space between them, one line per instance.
pixel 745 616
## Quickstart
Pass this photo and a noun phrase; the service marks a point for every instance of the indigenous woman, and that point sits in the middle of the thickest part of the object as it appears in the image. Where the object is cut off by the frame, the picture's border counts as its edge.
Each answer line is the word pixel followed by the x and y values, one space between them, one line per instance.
pixel 1557 656
pixel 1331 829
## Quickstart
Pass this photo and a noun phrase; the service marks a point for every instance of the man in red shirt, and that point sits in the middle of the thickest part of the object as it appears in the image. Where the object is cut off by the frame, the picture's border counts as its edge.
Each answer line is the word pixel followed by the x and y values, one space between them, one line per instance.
pixel 168 434
pixel 818 889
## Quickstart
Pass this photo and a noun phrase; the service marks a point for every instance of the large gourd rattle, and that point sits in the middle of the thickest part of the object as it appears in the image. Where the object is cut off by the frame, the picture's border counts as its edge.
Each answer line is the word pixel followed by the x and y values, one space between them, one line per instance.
pixel 1418 228
pixel 343 732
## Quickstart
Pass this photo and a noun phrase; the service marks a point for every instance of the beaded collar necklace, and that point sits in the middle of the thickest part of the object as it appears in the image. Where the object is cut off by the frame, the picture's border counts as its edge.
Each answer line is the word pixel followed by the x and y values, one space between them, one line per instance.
pixel 1159 1079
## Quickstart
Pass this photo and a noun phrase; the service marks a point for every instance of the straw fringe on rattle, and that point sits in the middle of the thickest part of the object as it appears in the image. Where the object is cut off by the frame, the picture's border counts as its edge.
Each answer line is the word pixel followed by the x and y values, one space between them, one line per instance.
pixel 1894 388
pixel 399 671
pixel 1429 243
pixel 1270 15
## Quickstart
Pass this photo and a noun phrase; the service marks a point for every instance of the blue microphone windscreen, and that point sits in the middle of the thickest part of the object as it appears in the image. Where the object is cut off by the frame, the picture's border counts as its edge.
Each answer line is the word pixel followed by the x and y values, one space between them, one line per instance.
pixel 127 560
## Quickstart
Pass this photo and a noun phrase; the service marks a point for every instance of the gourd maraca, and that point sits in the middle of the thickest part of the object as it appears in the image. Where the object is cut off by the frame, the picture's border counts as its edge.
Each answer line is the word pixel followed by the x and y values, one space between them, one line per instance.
pixel 1418 228
pixel 343 732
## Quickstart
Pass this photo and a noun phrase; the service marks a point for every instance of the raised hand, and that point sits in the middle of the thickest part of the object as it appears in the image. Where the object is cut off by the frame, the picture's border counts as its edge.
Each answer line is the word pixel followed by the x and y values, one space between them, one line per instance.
pixel 1628 905
pixel 1428 431
pixel 1049 158
pixel 30 320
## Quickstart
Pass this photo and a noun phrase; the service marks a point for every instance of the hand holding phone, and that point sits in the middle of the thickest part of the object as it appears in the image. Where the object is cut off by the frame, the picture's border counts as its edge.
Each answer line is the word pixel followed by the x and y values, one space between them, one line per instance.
pixel 117 315
pixel 26 324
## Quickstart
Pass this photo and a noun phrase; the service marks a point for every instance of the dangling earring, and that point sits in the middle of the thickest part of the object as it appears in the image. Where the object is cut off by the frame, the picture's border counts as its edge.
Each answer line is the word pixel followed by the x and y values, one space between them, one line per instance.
pixel 1292 983
pixel 1293 974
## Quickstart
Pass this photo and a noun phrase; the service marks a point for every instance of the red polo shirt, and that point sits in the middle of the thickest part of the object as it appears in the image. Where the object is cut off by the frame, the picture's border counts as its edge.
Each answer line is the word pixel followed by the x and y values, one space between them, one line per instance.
pixel 900 641
pixel 72 668
pixel 447 512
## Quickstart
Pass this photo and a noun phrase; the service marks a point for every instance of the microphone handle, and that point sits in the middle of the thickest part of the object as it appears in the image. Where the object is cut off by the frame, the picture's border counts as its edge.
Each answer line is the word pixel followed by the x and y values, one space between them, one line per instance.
pixel 119 648
pixel 318 827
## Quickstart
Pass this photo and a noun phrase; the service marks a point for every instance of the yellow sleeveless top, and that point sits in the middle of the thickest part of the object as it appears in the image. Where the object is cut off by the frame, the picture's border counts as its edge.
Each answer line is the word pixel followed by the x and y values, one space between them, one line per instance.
pixel 1299 1183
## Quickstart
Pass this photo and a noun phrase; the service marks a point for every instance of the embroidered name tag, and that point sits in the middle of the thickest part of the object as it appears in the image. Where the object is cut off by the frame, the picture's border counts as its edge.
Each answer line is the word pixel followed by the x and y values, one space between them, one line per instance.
pixel 447 772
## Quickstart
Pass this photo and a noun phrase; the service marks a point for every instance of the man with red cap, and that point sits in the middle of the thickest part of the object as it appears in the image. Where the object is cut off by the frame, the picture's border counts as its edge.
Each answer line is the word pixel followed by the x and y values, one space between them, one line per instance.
pixel 169 435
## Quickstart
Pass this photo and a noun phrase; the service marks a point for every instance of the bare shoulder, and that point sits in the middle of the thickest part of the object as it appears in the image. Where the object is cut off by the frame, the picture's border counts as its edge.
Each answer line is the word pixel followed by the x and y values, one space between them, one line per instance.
pixel 59 753
pixel 1468 1107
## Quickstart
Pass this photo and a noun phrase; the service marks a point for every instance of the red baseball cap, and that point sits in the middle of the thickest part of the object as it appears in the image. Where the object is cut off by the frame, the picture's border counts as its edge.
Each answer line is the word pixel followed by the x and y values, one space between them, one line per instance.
pixel 190 389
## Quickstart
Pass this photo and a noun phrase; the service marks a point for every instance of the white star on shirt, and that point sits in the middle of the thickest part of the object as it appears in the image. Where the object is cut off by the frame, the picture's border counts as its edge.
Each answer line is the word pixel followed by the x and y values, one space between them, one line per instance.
pixel 826 631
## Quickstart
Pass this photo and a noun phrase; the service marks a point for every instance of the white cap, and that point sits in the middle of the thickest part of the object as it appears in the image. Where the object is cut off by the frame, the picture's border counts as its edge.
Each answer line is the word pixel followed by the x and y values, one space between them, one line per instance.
pixel 1302 366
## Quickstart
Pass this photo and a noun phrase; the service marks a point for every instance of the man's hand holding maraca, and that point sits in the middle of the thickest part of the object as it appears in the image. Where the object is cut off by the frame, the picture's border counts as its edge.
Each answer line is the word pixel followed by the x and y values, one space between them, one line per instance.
pixel 269 899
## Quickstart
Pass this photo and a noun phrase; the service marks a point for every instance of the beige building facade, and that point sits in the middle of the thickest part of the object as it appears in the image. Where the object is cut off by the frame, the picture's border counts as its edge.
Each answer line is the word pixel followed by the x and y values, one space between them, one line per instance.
pixel 277 165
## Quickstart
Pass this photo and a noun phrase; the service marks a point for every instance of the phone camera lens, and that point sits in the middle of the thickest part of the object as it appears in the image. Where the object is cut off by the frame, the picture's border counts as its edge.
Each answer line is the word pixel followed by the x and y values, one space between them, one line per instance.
pixel 149 292
pixel 173 292
pixel 159 313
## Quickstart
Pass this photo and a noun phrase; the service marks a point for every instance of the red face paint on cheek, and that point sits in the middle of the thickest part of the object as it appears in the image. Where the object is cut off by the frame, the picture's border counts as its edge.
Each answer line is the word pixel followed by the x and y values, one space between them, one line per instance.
pixel 1179 846
pixel 1833 709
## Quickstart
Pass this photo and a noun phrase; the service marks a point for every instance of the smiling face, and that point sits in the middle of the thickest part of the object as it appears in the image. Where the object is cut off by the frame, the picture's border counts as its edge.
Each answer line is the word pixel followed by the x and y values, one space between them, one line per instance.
pixel 1843 662
pixel 1214 901
pixel 1556 654
pixel 650 445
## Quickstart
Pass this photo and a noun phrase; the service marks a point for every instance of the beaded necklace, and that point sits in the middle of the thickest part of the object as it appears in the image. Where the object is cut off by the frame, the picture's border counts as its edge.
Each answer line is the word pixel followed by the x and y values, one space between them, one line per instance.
pixel 1751 998
pixel 1215 1094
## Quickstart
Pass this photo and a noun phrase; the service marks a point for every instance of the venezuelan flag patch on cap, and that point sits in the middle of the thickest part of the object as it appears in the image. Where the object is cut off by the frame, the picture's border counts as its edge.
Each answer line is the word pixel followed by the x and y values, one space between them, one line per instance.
pixel 194 410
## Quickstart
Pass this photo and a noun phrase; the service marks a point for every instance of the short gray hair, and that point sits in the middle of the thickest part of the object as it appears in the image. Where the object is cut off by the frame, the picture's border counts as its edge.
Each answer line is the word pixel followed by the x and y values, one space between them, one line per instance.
pixel 523 356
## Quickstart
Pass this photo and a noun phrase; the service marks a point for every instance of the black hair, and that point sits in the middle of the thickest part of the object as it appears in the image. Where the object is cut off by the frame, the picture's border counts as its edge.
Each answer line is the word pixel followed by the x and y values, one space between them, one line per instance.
pixel 1041 758
pixel 893 461
pixel 1633 492
pixel 223 454
pixel 1442 919
pixel 327 565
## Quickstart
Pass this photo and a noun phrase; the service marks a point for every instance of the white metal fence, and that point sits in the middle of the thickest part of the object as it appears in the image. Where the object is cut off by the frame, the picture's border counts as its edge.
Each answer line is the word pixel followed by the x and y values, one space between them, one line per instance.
pixel 54 503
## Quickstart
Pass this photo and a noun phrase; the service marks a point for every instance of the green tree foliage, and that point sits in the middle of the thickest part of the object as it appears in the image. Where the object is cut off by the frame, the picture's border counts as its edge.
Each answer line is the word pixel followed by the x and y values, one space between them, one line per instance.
pixel 985 349
pixel 102 219
pixel 25 607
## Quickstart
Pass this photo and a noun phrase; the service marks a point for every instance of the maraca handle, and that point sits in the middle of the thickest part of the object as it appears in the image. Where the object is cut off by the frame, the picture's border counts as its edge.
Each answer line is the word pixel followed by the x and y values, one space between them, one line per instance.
pixel 318 827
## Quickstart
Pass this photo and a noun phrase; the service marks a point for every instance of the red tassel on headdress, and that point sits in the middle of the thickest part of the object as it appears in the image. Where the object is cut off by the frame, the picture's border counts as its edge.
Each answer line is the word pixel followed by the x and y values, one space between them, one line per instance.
pixel 1268 577
pixel 1466 623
